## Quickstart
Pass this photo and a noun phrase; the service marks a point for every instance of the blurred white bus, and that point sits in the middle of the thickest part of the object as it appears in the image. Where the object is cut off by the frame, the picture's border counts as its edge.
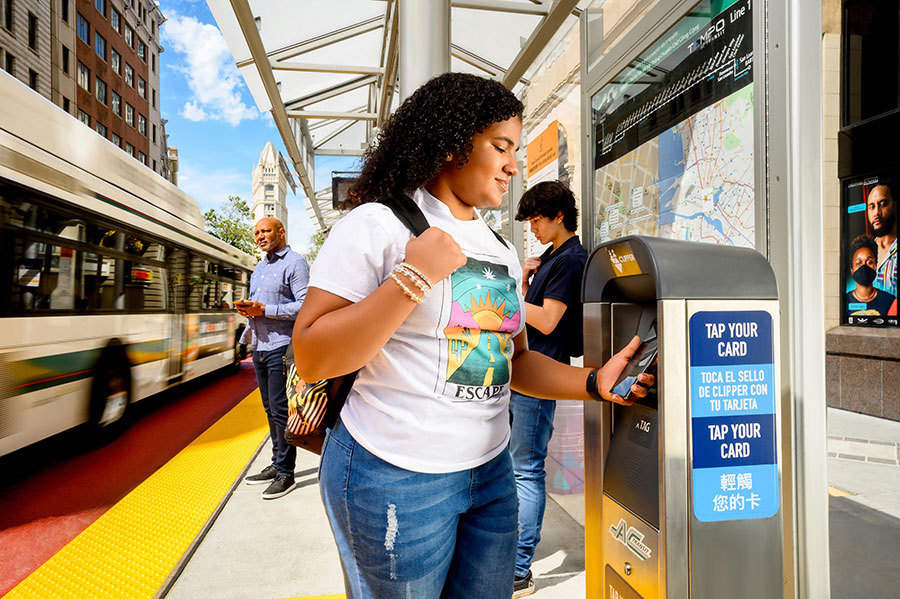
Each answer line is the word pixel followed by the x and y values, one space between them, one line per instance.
pixel 110 288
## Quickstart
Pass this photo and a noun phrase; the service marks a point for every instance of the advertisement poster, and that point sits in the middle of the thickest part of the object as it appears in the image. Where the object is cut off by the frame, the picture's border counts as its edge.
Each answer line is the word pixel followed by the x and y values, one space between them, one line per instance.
pixel 869 252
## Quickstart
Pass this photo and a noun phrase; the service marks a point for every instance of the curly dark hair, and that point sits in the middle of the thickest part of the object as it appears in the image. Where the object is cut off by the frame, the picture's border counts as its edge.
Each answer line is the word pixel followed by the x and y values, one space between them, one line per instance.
pixel 438 120
pixel 863 241
pixel 548 199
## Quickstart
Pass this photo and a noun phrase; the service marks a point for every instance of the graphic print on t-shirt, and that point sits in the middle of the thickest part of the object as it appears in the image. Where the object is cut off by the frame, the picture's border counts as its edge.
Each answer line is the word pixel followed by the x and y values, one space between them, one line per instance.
pixel 483 316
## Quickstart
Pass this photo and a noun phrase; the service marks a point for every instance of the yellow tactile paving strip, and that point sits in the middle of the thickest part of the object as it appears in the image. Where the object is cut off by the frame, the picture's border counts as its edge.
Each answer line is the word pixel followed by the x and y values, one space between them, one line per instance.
pixel 131 549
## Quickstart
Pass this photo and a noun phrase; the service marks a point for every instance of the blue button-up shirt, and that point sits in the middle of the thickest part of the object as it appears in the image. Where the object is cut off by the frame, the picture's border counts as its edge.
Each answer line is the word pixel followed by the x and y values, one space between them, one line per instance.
pixel 279 281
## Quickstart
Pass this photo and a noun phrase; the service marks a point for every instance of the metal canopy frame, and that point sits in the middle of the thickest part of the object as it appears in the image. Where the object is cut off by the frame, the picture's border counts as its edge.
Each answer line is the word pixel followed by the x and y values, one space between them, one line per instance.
pixel 328 71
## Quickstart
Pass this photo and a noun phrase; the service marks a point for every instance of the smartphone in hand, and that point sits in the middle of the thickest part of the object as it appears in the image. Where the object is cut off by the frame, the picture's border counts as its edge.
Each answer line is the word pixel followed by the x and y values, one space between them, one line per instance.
pixel 643 360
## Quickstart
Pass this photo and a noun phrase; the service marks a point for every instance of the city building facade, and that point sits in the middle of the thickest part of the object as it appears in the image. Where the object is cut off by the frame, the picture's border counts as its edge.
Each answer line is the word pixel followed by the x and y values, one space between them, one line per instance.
pixel 25 42
pixel 271 180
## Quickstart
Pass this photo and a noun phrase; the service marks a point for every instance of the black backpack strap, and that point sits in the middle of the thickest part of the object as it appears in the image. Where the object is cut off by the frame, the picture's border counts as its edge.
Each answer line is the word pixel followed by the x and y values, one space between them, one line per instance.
pixel 409 213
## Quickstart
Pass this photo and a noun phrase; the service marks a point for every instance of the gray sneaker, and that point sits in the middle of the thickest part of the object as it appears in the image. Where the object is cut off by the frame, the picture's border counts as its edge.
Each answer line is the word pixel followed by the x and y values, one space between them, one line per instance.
pixel 282 485
pixel 266 476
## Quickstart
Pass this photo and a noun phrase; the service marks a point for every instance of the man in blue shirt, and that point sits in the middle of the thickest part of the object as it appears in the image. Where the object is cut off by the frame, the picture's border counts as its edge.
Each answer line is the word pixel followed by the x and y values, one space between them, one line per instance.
pixel 553 319
pixel 277 290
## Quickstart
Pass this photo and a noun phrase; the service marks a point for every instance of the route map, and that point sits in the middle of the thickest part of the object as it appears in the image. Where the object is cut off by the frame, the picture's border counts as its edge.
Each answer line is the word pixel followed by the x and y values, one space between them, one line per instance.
pixel 676 159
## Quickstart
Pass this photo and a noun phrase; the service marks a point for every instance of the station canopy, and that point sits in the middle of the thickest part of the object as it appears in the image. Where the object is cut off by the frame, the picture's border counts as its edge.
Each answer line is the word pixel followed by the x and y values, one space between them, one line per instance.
pixel 328 70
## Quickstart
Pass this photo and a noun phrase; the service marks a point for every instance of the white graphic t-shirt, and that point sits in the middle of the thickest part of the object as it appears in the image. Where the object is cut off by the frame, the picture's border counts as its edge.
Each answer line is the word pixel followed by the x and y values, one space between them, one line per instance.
pixel 436 397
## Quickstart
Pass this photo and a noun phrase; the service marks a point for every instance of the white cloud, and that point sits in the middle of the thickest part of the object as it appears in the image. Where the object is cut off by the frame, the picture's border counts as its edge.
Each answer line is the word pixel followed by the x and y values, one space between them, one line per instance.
pixel 209 70
pixel 192 112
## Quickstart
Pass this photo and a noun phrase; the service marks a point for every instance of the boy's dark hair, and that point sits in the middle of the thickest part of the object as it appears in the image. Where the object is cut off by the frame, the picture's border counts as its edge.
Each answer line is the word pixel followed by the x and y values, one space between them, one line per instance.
pixel 548 199
pixel 438 120
pixel 863 241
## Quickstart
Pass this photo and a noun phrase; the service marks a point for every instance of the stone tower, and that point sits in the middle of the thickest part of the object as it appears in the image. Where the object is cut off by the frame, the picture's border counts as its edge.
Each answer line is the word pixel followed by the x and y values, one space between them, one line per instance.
pixel 271 179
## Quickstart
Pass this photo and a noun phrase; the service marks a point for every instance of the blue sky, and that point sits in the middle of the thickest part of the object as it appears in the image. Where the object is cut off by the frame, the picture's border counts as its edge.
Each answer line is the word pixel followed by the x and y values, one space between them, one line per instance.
pixel 213 120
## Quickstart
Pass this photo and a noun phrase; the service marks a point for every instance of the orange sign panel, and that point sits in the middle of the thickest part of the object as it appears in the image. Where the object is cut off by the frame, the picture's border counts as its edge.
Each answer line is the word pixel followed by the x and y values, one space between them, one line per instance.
pixel 543 149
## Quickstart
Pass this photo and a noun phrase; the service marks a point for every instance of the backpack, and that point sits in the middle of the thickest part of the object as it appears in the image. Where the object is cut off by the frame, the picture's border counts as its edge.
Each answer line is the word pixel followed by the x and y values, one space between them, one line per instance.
pixel 315 407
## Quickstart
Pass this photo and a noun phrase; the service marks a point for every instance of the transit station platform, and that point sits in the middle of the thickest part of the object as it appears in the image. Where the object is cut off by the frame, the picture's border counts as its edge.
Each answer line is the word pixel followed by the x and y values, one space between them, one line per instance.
pixel 194 529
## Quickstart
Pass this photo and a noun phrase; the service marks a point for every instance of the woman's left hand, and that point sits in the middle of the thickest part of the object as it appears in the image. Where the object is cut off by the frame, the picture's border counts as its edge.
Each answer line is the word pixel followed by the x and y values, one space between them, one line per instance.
pixel 609 374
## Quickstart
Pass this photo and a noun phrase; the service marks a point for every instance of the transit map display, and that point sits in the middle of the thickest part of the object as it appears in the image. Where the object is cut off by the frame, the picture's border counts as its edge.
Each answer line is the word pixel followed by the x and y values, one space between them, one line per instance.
pixel 674 134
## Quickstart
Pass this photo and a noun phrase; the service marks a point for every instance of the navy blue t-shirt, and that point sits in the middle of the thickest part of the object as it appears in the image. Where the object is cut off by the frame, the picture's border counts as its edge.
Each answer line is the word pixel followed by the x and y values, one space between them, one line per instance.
pixel 559 278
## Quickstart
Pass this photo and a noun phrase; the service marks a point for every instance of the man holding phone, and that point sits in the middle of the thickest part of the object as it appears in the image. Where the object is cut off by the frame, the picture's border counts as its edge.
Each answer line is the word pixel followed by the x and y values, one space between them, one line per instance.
pixel 277 290
pixel 551 285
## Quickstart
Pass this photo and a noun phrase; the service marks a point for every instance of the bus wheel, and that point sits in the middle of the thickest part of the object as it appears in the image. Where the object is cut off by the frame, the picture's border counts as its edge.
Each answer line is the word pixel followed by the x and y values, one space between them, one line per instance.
pixel 111 391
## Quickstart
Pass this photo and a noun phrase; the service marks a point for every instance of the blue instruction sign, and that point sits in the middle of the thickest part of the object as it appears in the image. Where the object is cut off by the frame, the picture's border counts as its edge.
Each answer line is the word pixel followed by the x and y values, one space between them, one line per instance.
pixel 734 442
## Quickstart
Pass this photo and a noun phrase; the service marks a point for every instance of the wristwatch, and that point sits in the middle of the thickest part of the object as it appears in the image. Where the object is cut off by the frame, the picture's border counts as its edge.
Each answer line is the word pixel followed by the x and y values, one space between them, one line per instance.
pixel 591 385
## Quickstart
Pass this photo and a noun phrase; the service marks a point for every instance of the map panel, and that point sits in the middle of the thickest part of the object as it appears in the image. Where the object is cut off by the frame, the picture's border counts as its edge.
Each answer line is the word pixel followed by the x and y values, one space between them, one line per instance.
pixel 674 158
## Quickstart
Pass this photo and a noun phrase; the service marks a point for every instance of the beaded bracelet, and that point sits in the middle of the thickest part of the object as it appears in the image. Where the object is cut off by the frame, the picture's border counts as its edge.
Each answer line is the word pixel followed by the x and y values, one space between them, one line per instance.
pixel 418 272
pixel 423 285
pixel 406 290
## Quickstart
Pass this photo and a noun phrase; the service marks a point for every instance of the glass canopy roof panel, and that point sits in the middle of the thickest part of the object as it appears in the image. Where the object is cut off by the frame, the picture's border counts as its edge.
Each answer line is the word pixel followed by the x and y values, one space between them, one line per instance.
pixel 349 141
pixel 494 36
pixel 282 24
pixel 361 49
pixel 346 102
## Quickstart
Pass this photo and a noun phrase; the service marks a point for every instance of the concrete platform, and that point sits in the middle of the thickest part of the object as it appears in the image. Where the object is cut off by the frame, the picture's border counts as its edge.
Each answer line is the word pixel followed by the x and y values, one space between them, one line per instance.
pixel 283 548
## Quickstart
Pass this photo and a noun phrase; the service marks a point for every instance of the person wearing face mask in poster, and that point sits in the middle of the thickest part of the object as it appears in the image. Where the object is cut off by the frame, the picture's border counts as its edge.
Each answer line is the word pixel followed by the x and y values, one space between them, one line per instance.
pixel 881 211
pixel 866 299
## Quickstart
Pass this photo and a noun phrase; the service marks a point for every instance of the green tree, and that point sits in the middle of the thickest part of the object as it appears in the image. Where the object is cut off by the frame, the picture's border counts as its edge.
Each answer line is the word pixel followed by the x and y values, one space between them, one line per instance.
pixel 315 244
pixel 232 224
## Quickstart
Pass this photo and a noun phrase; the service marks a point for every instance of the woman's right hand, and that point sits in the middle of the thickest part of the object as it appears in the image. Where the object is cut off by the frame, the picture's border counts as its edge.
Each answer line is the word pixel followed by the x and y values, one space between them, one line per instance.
pixel 435 253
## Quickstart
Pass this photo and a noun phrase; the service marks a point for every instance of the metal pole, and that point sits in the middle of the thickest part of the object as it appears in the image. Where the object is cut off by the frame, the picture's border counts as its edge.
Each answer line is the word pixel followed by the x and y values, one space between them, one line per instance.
pixel 424 36
pixel 796 255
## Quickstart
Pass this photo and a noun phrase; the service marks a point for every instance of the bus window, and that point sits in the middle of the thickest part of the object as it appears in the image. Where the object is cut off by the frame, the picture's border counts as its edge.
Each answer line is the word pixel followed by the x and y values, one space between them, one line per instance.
pixel 44 276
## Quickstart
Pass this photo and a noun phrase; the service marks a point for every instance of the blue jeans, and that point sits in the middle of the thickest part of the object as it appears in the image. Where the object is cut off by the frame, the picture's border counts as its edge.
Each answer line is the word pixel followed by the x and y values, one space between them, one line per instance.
pixel 531 420
pixel 409 534
pixel 272 382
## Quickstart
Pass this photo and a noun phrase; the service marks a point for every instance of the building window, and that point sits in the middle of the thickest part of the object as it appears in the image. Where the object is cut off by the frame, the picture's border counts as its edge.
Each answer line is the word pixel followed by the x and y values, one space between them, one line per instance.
pixel 101 129
pixel 142 50
pixel 153 62
pixel 64 9
pixel 100 45
pixel 84 117
pixel 142 125
pixel 83 29
pixel 10 63
pixel 115 61
pixel 32 32
pixel 129 75
pixel 129 36
pixel 153 96
pixel 115 20
pixel 129 114
pixel 154 165
pixel 33 79
pixel 142 88
pixel 116 140
pixel 142 158
pixel 65 60
pixel 100 5
pixel 101 90
pixel 8 15
pixel 66 104
pixel 84 76
pixel 116 103
pixel 871 62
pixel 129 148
pixel 154 134
pixel 153 27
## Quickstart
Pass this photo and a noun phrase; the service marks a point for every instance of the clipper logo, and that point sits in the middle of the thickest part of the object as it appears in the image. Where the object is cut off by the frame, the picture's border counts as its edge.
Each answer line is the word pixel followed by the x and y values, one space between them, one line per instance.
pixel 622 259
pixel 632 538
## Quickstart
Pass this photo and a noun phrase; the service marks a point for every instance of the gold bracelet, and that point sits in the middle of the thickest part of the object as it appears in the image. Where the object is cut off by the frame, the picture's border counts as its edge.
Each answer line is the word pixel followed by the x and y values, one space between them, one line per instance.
pixel 422 285
pixel 418 272
pixel 406 290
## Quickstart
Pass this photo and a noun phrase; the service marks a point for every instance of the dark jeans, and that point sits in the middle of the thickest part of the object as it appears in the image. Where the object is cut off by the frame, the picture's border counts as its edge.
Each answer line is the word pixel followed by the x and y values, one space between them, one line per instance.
pixel 272 382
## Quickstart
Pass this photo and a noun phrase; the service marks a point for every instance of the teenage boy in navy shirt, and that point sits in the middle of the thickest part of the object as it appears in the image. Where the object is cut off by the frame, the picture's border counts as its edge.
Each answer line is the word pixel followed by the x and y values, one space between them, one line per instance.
pixel 551 285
